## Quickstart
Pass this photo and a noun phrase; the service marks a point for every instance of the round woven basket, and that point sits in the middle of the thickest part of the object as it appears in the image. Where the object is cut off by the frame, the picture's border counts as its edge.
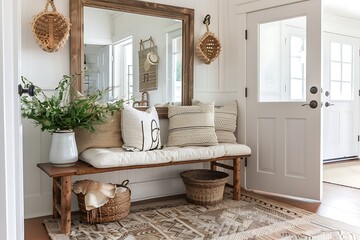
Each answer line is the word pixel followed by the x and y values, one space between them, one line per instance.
pixel 204 187
pixel 51 29
pixel 115 209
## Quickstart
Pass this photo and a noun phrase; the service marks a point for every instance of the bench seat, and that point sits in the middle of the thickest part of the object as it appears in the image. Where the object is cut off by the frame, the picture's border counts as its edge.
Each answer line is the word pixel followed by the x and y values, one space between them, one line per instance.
pixel 118 157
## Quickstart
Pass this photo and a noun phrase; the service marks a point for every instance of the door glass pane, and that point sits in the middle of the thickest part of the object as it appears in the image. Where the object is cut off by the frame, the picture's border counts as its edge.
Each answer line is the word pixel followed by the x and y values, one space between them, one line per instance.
pixel 347 53
pixel 335 71
pixel 341 71
pixel 282 64
pixel 346 72
pixel 335 51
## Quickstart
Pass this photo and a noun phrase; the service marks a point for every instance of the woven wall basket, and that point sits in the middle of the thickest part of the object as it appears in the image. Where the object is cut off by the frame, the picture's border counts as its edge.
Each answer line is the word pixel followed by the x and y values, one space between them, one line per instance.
pixel 208 47
pixel 51 29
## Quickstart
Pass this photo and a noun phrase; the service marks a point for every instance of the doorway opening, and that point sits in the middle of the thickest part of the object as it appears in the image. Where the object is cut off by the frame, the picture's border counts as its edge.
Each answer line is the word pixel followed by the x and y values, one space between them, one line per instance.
pixel 341 77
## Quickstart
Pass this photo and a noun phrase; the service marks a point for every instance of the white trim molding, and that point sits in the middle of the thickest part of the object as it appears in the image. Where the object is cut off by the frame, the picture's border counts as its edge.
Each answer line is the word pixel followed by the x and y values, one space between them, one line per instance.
pixel 246 6
pixel 11 171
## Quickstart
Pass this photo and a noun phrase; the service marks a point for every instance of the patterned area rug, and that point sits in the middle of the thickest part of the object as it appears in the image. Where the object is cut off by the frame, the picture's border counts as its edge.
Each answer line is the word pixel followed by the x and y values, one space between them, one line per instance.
pixel 253 217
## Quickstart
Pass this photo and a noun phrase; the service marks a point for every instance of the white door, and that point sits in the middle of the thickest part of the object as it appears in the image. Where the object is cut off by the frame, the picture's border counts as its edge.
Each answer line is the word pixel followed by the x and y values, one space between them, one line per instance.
pixel 104 70
pixel 340 88
pixel 11 167
pixel 283 128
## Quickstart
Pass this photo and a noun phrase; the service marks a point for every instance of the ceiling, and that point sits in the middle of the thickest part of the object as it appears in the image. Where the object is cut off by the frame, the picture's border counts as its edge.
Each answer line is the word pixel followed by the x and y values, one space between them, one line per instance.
pixel 343 8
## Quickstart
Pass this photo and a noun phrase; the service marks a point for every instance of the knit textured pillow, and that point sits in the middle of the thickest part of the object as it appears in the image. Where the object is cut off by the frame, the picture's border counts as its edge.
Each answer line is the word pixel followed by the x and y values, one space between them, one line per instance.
pixel 225 121
pixel 191 126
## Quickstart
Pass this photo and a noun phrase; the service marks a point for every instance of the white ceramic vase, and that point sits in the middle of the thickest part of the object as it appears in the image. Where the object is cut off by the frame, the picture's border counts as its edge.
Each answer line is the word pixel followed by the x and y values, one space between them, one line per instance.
pixel 63 150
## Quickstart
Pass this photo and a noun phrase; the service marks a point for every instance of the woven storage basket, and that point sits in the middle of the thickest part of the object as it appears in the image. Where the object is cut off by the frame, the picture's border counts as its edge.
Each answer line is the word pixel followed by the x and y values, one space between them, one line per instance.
pixel 51 29
pixel 204 187
pixel 208 47
pixel 115 209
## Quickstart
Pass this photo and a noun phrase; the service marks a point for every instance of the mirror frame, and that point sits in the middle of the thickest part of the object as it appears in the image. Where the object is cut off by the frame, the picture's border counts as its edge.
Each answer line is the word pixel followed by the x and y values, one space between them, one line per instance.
pixel 186 15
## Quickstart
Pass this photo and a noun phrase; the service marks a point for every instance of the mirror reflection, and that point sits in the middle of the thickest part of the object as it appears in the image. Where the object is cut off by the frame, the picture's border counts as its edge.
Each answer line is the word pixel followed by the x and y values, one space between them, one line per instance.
pixel 132 60
pixel 283 60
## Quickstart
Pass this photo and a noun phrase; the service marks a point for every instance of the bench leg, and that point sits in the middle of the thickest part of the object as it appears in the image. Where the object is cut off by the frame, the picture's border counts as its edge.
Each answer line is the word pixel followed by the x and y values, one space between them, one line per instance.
pixel 236 178
pixel 213 167
pixel 65 204
pixel 56 197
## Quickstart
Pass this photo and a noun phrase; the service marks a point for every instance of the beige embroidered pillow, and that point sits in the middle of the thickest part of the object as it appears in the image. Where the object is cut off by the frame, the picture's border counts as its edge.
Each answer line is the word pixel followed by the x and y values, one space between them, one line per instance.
pixel 106 135
pixel 191 126
pixel 140 130
pixel 225 121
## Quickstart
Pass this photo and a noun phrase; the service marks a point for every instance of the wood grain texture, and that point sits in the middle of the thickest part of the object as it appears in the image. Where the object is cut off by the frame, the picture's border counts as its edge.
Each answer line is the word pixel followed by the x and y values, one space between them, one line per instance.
pixel 236 176
pixel 65 204
pixel 56 197
pixel 82 168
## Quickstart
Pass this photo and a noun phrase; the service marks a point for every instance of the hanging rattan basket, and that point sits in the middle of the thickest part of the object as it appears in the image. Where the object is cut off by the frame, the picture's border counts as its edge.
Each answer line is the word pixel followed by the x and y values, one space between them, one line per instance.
pixel 51 29
pixel 208 47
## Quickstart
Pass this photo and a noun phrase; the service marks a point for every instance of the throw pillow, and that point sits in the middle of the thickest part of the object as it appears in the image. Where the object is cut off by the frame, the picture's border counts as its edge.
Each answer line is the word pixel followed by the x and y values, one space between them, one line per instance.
pixel 105 135
pixel 140 129
pixel 191 126
pixel 225 121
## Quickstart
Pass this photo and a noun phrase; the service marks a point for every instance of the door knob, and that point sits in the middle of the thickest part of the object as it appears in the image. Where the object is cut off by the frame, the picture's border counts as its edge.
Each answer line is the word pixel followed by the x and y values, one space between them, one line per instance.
pixel 327 104
pixel 312 104
pixel 313 90
pixel 30 90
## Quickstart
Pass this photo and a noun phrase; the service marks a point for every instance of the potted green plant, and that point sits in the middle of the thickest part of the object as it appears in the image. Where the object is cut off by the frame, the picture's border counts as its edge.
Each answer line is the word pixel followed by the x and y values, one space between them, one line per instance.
pixel 64 111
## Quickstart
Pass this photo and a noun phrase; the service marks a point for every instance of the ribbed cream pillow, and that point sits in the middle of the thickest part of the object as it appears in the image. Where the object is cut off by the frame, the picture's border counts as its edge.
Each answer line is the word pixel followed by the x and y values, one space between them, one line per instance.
pixel 225 121
pixel 140 129
pixel 191 126
pixel 106 135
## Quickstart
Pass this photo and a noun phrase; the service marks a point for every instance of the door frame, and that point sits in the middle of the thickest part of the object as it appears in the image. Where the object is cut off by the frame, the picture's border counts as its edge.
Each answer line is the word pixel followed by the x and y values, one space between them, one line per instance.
pixel 11 166
pixel 336 36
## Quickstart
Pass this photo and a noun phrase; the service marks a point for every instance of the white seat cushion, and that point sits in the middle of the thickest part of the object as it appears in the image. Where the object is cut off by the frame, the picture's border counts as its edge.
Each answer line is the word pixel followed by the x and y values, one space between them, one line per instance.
pixel 118 157
pixel 235 149
pixel 197 152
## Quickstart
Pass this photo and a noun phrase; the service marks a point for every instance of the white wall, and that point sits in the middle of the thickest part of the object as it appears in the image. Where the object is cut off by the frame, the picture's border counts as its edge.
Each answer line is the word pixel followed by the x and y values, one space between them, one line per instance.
pixel 212 82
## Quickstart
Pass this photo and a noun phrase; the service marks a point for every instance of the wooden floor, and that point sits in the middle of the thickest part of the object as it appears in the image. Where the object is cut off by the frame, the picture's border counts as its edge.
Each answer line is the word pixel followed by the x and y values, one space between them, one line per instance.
pixel 340 203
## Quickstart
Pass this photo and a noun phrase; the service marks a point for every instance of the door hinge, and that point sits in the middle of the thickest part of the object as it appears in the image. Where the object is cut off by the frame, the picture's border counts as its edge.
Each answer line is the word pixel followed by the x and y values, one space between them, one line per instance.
pixel 246 35
pixel 246 92
pixel 358 138
pixel 245 162
pixel 359 92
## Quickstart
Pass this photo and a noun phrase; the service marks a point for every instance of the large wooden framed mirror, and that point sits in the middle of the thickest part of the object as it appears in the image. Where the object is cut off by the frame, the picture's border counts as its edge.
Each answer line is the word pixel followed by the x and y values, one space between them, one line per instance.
pixel 184 17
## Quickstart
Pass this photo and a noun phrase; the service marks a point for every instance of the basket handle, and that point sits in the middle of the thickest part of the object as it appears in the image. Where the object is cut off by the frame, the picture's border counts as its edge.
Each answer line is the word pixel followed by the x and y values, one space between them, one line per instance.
pixel 50 2
pixel 123 184
pixel 207 22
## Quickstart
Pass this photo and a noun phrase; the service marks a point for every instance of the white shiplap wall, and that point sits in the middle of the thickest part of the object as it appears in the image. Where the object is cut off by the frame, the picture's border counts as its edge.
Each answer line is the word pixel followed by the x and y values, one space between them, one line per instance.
pixel 212 82
pixel 221 81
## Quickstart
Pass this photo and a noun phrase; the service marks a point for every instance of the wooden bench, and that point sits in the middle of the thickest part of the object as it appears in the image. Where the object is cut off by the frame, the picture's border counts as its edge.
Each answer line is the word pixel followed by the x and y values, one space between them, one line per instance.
pixel 62 181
